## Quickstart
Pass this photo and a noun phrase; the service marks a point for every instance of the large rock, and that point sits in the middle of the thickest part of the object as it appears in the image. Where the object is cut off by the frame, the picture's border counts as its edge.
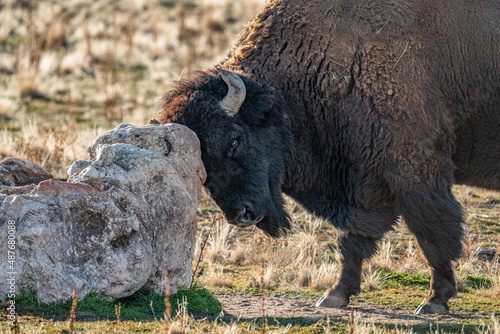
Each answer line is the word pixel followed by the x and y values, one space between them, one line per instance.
pixel 120 219
pixel 17 172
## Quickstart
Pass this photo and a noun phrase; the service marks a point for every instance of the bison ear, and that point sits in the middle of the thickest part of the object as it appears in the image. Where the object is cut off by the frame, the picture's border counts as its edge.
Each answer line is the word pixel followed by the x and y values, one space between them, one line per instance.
pixel 236 92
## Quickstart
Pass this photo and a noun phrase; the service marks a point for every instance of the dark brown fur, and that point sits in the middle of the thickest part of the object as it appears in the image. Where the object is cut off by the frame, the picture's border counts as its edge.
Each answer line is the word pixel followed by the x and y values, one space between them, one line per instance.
pixel 387 104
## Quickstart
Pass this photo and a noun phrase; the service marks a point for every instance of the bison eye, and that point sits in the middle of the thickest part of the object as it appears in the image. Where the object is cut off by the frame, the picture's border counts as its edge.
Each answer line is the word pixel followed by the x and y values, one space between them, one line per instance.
pixel 234 143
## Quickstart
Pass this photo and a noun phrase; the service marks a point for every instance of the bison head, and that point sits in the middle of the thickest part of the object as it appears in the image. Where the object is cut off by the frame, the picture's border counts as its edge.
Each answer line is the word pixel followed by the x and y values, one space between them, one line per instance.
pixel 243 143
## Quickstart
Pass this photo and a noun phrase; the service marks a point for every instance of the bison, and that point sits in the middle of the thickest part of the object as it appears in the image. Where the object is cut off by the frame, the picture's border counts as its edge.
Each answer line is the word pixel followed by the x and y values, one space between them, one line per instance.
pixel 362 111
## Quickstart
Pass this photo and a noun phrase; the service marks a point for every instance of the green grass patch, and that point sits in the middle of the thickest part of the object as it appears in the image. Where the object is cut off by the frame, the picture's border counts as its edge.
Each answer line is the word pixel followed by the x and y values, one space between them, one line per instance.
pixel 140 306
pixel 199 301
pixel 391 279
pixel 478 282
pixel 398 298
pixel 403 279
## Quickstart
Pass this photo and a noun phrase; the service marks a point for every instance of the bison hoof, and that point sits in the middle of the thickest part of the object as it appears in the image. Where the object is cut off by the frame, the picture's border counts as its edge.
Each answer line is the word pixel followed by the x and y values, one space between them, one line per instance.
pixel 332 302
pixel 431 309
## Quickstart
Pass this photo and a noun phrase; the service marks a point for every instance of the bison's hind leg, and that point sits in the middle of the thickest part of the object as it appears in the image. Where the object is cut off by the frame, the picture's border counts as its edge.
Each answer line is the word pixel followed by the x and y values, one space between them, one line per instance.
pixel 435 217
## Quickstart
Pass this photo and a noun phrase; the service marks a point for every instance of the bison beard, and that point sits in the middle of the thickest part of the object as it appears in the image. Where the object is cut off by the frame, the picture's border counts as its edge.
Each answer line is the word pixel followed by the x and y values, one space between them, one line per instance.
pixel 362 112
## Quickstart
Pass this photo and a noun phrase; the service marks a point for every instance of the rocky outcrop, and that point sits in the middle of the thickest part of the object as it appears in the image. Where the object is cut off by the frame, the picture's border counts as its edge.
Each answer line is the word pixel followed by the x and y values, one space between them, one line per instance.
pixel 119 220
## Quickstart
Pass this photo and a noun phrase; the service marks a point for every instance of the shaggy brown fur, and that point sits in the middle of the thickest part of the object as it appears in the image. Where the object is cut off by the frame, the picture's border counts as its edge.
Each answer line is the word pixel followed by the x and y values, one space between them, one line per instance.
pixel 379 107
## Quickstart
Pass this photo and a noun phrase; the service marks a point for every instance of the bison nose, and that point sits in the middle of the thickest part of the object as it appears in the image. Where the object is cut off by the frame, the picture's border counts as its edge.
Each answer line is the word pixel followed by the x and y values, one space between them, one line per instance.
pixel 245 215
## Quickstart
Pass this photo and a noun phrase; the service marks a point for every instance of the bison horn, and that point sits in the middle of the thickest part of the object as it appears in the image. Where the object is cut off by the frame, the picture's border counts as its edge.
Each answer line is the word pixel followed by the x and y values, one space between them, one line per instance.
pixel 236 93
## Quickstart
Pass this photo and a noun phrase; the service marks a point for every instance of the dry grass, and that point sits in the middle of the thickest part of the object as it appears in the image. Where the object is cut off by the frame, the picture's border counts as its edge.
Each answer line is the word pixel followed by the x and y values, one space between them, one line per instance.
pixel 217 250
pixel 54 150
pixel 215 276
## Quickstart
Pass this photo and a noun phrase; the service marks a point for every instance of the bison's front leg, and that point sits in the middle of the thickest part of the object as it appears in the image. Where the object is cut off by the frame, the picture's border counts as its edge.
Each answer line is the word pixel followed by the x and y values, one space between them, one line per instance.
pixel 353 249
pixel 357 244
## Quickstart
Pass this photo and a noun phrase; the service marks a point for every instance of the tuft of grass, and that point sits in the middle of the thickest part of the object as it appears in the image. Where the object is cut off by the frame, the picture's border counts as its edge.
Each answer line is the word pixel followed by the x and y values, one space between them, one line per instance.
pixel 478 282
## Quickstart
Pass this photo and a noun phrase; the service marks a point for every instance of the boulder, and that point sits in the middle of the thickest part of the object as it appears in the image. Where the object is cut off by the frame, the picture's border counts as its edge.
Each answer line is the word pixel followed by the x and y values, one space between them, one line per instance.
pixel 17 172
pixel 120 219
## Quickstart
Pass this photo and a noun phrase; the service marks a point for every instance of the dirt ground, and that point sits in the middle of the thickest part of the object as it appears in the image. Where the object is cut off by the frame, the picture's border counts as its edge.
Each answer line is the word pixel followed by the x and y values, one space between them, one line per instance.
pixel 248 305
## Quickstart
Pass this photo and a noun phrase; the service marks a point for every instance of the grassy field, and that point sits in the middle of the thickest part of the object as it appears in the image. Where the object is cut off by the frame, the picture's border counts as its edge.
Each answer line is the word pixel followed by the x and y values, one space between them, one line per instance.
pixel 72 69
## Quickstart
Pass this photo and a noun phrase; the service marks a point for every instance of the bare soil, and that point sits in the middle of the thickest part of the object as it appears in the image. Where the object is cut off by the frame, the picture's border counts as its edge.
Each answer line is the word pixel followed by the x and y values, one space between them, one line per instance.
pixel 248 305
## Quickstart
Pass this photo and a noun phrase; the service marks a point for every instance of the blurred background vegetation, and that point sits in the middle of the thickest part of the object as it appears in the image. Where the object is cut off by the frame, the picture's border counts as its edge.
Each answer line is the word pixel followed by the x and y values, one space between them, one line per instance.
pixel 70 69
